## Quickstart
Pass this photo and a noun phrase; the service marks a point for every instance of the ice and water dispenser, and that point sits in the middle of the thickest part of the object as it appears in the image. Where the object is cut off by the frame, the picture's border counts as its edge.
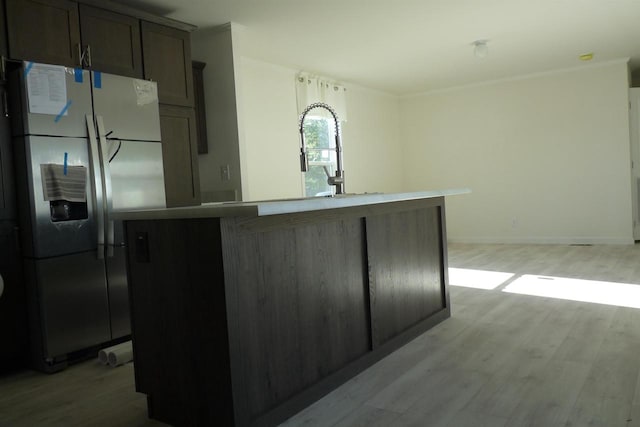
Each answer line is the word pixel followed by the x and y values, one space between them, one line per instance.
pixel 64 188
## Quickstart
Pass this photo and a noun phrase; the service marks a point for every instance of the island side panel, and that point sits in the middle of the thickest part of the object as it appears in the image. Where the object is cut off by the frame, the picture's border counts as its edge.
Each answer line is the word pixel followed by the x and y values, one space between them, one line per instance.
pixel 179 327
pixel 406 270
pixel 299 285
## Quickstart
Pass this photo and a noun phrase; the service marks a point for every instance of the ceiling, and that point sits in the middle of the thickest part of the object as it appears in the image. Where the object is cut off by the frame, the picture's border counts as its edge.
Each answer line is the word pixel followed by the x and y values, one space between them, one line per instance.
pixel 412 46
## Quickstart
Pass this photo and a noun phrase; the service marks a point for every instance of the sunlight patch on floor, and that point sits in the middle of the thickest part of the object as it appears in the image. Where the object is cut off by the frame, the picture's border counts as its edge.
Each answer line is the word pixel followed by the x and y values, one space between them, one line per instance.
pixel 479 279
pixel 610 293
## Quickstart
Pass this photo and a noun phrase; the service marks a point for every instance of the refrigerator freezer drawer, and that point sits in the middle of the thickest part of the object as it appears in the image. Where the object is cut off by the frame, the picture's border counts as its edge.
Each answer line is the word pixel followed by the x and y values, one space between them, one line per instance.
pixel 72 302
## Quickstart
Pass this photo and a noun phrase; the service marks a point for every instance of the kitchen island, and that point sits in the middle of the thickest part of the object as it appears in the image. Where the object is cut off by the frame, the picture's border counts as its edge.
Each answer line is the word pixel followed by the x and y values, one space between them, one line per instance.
pixel 243 313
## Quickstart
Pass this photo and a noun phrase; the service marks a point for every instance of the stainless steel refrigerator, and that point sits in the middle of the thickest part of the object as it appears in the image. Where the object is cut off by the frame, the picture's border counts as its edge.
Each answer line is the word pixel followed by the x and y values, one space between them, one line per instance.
pixel 86 144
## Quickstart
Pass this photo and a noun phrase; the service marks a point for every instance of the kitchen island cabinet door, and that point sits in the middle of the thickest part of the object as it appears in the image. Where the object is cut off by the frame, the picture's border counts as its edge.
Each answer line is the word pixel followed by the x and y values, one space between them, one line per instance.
pixel 44 31
pixel 113 41
pixel 297 303
pixel 167 60
pixel 406 277
pixel 179 154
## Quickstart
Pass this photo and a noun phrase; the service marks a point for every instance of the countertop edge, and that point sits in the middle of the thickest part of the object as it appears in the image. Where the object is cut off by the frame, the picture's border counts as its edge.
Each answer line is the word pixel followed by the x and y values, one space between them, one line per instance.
pixel 279 207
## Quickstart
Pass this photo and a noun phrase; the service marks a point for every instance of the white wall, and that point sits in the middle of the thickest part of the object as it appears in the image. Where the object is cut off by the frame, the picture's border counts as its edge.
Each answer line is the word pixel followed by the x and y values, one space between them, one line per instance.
pixel 215 47
pixel 547 156
pixel 372 146
pixel 271 168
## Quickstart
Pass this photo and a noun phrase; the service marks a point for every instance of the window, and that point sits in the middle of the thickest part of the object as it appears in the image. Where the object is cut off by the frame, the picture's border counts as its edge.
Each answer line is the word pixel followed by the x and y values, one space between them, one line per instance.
pixel 319 137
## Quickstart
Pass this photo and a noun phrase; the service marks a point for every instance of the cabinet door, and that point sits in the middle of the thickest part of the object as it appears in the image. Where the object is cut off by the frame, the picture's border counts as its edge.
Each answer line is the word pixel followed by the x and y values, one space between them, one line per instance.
pixel 7 185
pixel 44 31
pixel 201 113
pixel 167 60
pixel 112 41
pixel 179 139
pixel 4 49
pixel 405 272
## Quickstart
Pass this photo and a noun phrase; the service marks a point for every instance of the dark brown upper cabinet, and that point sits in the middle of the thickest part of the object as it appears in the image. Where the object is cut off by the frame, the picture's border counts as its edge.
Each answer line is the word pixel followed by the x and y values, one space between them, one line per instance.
pixel 111 42
pixel 4 49
pixel 179 153
pixel 166 54
pixel 65 33
pixel 44 31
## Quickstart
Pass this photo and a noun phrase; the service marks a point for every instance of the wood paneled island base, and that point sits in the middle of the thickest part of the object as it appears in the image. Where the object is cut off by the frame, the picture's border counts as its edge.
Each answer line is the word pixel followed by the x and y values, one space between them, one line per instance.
pixel 244 318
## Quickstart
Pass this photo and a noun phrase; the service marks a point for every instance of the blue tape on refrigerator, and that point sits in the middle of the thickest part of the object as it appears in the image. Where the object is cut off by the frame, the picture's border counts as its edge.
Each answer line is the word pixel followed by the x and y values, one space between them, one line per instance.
pixel 63 111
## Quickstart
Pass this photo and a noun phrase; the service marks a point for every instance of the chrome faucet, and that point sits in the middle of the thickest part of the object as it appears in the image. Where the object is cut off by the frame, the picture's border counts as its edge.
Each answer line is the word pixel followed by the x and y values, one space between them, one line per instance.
pixel 337 180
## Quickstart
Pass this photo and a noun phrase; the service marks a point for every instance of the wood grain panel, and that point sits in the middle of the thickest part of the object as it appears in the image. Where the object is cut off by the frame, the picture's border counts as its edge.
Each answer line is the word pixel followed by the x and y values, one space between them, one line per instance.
pixel 167 60
pixel 179 155
pixel 44 31
pixel 301 300
pixel 178 317
pixel 114 40
pixel 276 222
pixel 405 271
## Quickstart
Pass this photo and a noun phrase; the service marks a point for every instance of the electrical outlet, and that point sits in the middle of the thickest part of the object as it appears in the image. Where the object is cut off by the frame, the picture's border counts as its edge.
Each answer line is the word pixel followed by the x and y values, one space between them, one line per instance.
pixel 225 172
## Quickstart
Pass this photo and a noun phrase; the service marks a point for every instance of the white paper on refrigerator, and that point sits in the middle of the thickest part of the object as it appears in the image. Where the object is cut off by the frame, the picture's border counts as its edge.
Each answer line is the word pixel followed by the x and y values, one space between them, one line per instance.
pixel 146 92
pixel 46 88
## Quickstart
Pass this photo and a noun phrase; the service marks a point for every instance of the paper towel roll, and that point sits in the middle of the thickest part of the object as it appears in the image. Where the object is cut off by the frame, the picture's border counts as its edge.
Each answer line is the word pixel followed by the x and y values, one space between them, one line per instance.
pixel 103 355
pixel 121 355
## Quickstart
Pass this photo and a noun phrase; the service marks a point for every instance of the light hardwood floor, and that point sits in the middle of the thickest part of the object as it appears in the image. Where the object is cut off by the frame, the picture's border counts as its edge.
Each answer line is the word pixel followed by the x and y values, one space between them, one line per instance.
pixel 86 394
pixel 502 359
pixel 506 359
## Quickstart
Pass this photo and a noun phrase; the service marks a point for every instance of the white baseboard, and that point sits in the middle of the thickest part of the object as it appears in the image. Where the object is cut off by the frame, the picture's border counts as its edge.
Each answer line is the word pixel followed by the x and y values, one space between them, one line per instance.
pixel 544 240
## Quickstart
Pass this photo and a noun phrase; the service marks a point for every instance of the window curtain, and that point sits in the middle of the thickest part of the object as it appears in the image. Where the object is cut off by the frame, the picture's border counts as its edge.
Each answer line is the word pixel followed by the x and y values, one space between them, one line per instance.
pixel 311 88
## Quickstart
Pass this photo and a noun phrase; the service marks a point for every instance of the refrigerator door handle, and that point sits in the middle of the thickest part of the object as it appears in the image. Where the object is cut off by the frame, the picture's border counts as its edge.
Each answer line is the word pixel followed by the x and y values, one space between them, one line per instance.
pixel 96 180
pixel 102 135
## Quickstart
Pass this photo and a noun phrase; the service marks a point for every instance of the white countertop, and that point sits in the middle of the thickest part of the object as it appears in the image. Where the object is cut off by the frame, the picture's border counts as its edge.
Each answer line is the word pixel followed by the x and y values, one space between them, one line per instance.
pixel 282 206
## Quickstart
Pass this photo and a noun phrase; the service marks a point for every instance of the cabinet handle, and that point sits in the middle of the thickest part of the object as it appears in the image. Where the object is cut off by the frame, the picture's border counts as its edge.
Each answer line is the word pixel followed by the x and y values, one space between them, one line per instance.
pixel 3 68
pixel 5 103
pixel 88 55
pixel 80 55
